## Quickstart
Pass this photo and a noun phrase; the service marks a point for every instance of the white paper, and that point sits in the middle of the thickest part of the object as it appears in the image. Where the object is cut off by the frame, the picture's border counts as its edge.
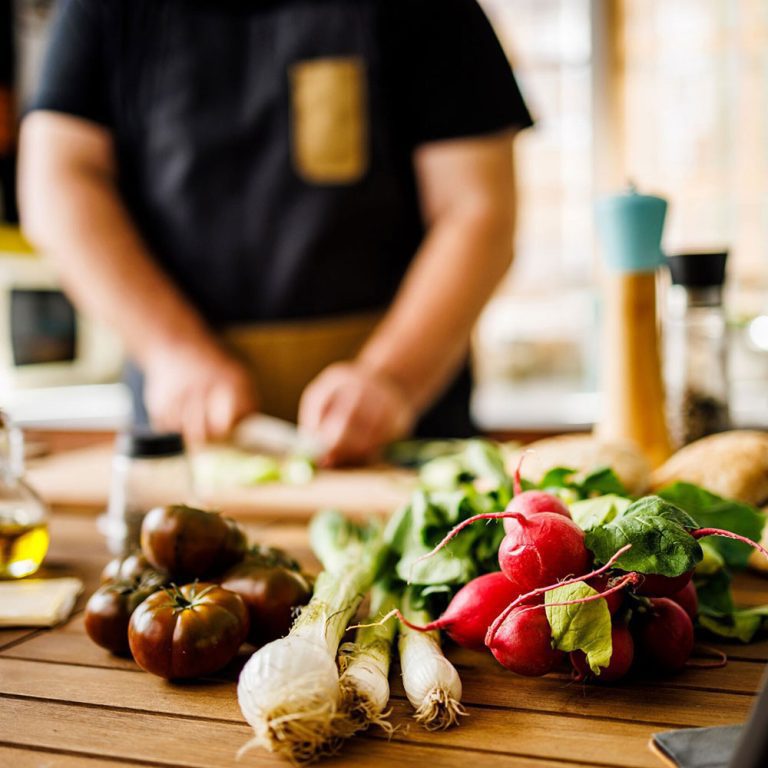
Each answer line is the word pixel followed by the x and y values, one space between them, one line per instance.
pixel 37 602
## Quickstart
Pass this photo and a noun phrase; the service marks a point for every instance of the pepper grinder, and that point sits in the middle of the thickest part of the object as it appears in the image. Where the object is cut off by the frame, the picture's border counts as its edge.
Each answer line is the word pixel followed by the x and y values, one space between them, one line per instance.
pixel 629 227
pixel 695 341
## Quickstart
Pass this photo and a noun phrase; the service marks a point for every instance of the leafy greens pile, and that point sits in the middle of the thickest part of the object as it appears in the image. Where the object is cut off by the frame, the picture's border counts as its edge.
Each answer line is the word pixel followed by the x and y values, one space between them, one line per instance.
pixel 657 527
pixel 474 480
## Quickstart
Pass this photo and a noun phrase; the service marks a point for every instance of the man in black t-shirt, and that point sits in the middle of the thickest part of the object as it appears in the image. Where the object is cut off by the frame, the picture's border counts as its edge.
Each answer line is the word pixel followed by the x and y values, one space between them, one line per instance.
pixel 293 205
pixel 7 114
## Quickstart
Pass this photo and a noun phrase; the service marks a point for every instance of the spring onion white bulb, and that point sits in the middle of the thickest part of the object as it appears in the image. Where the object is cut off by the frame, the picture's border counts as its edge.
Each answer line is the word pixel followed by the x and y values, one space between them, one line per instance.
pixel 431 682
pixel 289 694
pixel 364 667
pixel 289 689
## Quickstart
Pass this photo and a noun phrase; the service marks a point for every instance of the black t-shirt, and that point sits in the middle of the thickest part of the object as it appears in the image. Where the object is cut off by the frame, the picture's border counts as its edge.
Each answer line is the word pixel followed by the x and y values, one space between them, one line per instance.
pixel 264 148
pixel 7 63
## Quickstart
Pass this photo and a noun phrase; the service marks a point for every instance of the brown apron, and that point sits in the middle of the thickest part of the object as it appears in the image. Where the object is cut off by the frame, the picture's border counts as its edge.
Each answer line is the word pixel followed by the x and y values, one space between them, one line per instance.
pixel 284 357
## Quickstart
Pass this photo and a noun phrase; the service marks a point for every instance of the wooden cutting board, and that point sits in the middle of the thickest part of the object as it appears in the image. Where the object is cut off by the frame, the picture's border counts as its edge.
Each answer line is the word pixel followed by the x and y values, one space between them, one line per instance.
pixel 81 478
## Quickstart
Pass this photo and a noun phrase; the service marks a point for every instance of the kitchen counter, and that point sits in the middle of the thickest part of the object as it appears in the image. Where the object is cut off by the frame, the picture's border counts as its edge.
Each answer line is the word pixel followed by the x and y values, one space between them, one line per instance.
pixel 66 702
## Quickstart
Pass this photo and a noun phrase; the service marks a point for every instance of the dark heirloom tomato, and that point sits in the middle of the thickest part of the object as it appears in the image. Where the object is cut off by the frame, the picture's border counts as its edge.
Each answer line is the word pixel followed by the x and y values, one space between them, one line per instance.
pixel 190 631
pixel 191 543
pixel 109 610
pixel 271 593
pixel 272 556
pixel 134 567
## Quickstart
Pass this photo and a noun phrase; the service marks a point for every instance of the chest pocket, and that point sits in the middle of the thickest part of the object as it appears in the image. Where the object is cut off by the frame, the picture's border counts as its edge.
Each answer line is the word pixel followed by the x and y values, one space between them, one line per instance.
pixel 329 119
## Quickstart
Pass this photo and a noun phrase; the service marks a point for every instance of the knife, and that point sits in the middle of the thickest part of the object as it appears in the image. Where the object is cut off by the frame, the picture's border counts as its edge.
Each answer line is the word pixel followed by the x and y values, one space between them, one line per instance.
pixel 268 434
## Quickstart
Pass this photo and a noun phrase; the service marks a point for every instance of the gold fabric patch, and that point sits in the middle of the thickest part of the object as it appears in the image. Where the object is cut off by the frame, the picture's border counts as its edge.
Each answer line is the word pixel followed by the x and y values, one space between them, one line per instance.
pixel 330 125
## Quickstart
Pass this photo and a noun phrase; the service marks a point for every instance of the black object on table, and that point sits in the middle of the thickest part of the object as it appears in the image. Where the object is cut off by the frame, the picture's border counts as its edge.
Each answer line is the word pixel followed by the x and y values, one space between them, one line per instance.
pixel 730 746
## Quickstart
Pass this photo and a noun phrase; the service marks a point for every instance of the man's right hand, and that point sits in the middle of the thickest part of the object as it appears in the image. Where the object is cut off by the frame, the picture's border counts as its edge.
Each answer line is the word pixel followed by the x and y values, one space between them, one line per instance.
pixel 200 392
pixel 72 210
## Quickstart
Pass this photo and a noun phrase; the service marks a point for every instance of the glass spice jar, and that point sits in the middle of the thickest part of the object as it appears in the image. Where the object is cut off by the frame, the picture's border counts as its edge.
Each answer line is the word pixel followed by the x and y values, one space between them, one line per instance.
pixel 696 347
pixel 148 469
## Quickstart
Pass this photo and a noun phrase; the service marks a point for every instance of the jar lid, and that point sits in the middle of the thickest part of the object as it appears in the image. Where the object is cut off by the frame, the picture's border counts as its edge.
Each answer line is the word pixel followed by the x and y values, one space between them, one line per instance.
pixel 144 443
pixel 698 270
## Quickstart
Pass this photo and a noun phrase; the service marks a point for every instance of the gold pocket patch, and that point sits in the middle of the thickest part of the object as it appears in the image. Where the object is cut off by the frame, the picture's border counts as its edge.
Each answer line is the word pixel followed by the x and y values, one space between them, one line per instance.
pixel 330 125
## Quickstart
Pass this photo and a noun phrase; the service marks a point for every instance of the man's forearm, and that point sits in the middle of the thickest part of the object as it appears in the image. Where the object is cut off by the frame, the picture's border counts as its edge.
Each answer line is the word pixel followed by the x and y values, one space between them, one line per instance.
pixel 425 335
pixel 424 338
pixel 73 213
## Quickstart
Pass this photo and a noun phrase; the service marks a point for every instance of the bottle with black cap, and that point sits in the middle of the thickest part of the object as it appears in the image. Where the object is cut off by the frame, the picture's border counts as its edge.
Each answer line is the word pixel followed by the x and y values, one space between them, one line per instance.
pixel 148 469
pixel 696 347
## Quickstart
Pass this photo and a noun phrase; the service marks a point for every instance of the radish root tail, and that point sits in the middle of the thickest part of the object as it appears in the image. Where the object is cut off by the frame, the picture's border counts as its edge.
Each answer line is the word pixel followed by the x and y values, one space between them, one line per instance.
pixel 702 532
pixel 630 578
pixel 396 612
pixel 458 529
pixel 439 710
pixel 494 628
pixel 720 660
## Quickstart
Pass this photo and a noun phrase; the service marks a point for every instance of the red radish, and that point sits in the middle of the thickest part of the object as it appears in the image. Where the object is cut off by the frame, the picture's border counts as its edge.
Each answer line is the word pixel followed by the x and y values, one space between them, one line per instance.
pixel 604 582
pixel 622 655
pixel 622 583
pixel 523 643
pixel 473 609
pixel 687 599
pixel 542 549
pixel 656 585
pixel 664 635
pixel 533 502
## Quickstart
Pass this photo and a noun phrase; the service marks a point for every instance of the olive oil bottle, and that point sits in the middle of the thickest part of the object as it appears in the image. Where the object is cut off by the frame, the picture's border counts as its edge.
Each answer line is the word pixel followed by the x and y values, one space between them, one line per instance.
pixel 23 515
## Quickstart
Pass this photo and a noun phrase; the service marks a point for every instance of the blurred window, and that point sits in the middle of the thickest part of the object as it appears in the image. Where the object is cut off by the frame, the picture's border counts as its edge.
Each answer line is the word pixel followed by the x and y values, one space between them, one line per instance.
pixel 671 95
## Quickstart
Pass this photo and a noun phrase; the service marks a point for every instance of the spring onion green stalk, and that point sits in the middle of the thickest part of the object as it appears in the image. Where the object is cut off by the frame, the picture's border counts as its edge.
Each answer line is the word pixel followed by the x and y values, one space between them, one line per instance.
pixel 365 664
pixel 289 690
pixel 431 682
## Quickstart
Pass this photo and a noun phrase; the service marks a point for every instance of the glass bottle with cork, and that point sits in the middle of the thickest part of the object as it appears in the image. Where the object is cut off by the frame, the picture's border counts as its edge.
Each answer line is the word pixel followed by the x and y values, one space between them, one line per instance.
pixel 696 347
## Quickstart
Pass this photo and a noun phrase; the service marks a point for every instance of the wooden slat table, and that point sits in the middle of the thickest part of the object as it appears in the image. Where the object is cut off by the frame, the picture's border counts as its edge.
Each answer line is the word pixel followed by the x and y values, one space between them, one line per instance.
pixel 64 702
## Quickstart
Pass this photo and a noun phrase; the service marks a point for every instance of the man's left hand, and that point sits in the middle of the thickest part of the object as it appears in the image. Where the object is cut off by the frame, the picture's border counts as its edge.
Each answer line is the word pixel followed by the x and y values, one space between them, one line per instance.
pixel 354 411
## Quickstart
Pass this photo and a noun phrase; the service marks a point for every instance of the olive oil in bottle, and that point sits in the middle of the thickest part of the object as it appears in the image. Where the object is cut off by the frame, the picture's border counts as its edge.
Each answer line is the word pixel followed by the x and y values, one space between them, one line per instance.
pixel 23 515
pixel 22 548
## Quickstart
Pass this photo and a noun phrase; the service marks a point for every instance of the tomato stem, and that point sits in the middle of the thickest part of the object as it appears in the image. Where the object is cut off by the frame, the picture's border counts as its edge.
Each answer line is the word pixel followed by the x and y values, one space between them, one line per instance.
pixel 179 599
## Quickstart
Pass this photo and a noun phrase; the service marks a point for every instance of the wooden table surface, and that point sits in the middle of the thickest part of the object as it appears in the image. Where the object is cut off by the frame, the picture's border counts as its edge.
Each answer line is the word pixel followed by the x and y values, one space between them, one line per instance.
pixel 65 702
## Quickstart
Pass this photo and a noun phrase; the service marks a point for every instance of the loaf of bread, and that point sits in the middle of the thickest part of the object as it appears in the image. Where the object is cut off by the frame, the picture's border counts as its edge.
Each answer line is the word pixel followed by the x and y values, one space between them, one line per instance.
pixel 585 453
pixel 732 464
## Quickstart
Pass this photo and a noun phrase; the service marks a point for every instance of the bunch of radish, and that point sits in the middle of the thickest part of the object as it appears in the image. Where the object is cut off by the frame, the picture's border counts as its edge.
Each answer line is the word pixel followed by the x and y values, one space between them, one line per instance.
pixel 651 615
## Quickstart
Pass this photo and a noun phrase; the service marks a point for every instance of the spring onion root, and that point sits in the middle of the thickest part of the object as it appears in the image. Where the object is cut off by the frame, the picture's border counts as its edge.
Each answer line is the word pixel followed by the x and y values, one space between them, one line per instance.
pixel 431 682
pixel 289 689
pixel 364 667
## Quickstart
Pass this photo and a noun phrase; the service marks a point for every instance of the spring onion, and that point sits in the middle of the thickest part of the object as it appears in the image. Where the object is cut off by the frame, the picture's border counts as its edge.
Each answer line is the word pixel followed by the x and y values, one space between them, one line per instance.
pixel 431 682
pixel 365 665
pixel 289 690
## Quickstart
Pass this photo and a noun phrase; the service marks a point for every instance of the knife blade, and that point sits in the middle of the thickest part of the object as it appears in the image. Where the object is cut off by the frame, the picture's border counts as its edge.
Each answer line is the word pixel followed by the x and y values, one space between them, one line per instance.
pixel 268 434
